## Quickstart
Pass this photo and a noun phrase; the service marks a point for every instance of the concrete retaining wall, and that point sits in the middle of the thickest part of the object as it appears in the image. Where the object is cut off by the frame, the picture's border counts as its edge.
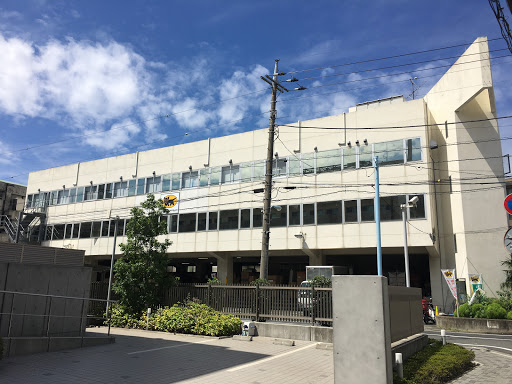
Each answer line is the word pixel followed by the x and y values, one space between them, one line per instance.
pixel 294 332
pixel 405 311
pixel 464 324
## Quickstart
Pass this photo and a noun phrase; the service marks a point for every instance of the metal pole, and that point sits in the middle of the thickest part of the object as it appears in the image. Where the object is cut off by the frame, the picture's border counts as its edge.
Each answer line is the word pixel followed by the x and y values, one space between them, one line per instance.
pixel 406 250
pixel 112 265
pixel 268 180
pixel 18 227
pixel 377 215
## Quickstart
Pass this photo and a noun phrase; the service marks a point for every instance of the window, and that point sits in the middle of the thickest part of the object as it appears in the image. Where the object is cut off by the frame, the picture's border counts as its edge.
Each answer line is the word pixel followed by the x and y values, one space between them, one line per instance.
pixel 48 233
pixel 176 180
pixel 173 223
pixel 58 232
pixel 367 210
pixel 349 158
pixel 121 189
pixel 293 166
pixel 228 219
pixel 101 191
pixel 120 227
pixel 166 182
pixel 190 179
pixel 29 201
pixel 112 229
pixel 215 176
pixel 257 218
pixel 245 218
pixel 187 222
pixel 294 214
pixel 104 229
pixel 141 186
pixel 278 216
pixel 191 268
pixel 417 212
pixel 53 197
pixel 328 212
pixel 246 172
pixel 203 177
pixel 308 163
pixel 76 230
pixel 259 170
pixel 201 221
pixel 279 168
pixel 153 184
pixel 391 152
pixel 91 193
pixel 108 191
pixel 68 231
pixel 413 147
pixel 85 230
pixel 390 207
pixel 365 156
pixel 80 194
pixel 328 161
pixel 96 229
pixel 350 211
pixel 308 214
pixel 63 197
pixel 230 174
pixel 132 187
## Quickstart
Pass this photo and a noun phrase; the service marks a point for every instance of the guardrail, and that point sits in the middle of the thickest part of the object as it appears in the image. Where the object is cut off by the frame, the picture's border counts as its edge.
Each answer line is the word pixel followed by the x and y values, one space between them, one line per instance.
pixel 39 315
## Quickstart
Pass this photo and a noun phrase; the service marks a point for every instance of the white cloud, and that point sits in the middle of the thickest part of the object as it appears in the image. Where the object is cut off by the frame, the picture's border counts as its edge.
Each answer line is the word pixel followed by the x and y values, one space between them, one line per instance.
pixel 118 135
pixel 9 156
pixel 186 114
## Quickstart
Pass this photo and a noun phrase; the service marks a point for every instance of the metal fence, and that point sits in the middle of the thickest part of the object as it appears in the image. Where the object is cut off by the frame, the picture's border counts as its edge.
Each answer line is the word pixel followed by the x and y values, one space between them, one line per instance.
pixel 39 315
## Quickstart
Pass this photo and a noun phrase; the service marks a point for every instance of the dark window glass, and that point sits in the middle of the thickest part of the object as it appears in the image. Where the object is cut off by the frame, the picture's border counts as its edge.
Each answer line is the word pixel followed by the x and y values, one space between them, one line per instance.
pixel 187 222
pixel 413 149
pixel 101 191
pixel 91 193
pixel 120 227
pixel 365 156
pixel 389 153
pixel 308 214
pixel 350 211
pixel 349 158
pixel 132 187
pixel 257 218
pixel 245 218
pixel 390 207
pixel 96 229
pixel 85 230
pixel 53 197
pixel 173 224
pixel 76 230
pixel 201 221
pixel 112 230
pixel 417 212
pixel 69 229
pixel 367 210
pixel 166 182
pixel 29 201
pixel 58 232
pixel 104 229
pixel 278 217
pixel 72 195
pixel 48 233
pixel 294 214
pixel 328 212
pixel 80 195
pixel 228 219
pixel 108 192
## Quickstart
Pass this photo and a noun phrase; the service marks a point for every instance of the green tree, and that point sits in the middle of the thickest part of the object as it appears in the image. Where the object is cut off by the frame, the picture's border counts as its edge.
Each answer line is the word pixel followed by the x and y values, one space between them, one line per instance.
pixel 507 284
pixel 141 273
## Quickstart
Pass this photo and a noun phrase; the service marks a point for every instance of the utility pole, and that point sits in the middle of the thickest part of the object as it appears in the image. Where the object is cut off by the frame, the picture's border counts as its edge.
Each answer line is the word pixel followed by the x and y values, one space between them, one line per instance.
pixel 267 200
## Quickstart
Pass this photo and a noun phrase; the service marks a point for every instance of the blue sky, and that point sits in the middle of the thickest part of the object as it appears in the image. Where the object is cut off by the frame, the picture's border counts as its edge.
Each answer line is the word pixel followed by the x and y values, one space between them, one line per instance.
pixel 104 78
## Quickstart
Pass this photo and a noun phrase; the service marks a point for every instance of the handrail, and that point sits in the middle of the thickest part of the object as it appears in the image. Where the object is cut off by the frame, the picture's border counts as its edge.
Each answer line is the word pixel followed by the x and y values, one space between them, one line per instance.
pixel 56 296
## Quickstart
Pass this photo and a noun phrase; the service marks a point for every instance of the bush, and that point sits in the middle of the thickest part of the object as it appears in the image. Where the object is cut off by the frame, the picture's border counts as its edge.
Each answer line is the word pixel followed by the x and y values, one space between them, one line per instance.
pixel 436 364
pixel 509 315
pixel 321 282
pixel 477 311
pixel 495 311
pixel 464 310
pixel 194 318
pixel 260 282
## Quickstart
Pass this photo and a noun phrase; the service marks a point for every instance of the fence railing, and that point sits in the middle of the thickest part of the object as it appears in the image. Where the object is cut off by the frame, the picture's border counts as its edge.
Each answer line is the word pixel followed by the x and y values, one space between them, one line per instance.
pixel 39 315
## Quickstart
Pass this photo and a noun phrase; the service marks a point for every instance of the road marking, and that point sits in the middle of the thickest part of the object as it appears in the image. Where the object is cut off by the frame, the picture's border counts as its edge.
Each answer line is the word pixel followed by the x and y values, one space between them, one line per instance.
pixel 487 346
pixel 243 366
pixel 507 337
pixel 471 337
pixel 169 347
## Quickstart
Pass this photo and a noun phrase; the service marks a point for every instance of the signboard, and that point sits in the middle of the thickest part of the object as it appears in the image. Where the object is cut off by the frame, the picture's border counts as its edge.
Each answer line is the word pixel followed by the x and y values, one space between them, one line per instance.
pixel 476 282
pixel 508 204
pixel 170 201
pixel 449 276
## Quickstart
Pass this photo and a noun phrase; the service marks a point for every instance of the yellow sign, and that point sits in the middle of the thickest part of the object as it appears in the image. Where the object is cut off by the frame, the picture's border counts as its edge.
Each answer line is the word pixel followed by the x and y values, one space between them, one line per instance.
pixel 170 201
pixel 448 274
pixel 475 279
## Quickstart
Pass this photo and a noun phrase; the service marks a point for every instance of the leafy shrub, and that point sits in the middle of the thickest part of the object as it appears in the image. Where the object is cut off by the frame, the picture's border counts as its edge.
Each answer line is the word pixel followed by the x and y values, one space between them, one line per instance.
pixel 495 311
pixel 436 364
pixel 477 311
pixel 321 282
pixel 213 281
pixel 464 310
pixel 260 282
pixel 509 315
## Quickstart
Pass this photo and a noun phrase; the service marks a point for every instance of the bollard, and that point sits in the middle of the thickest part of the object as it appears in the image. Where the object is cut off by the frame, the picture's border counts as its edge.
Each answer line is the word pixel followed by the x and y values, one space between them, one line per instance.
pixel 399 365
pixel 437 311
pixel 147 319
pixel 443 336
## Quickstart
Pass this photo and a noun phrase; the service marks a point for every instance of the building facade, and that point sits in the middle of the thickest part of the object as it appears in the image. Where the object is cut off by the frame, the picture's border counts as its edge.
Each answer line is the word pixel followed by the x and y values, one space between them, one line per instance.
pixel 444 148
pixel 12 201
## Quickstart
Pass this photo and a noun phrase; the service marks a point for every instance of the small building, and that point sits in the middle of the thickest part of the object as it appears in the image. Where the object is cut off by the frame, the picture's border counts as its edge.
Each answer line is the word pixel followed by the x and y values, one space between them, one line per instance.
pixel 12 201
pixel 444 149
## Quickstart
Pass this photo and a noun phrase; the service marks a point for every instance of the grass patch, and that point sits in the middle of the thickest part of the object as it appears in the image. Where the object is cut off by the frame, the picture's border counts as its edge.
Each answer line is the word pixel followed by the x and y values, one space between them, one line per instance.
pixel 436 364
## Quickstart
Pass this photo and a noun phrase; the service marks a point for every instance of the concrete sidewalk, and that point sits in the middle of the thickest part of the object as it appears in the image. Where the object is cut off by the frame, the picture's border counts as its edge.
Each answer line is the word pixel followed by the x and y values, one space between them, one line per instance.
pixel 493 367
pixel 157 357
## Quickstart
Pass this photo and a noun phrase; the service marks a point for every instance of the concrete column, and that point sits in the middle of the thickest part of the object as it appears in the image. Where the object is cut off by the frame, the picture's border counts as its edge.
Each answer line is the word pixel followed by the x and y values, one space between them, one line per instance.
pixel 361 330
pixel 225 269
pixel 436 282
pixel 316 258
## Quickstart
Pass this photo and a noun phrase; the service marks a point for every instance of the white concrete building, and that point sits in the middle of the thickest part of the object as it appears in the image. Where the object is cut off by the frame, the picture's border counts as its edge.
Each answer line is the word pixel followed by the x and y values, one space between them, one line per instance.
pixel 324 187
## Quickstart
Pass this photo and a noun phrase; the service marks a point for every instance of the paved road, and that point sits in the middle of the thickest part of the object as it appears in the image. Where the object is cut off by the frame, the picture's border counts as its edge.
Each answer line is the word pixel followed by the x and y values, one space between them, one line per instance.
pixel 499 343
pixel 157 357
